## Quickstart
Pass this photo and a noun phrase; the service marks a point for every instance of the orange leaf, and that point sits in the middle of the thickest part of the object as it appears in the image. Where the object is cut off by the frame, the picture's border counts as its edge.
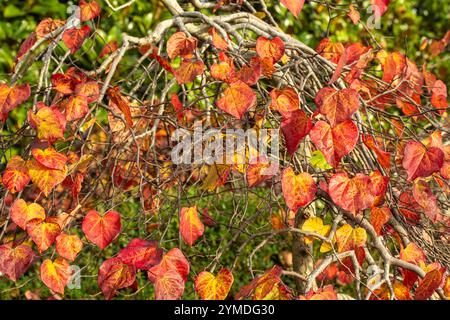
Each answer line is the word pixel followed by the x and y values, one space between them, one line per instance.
pixel 74 37
pixel 76 107
pixel 273 48
pixel 119 101
pixel 49 123
pixel 21 213
pixel 55 275
pixel 50 158
pixel 180 45
pixel 237 99
pixel 172 260
pixel 259 170
pixel 294 6
pixel 68 246
pixel 325 293
pixel 63 83
pixel 285 101
pixel 298 189
pixel 354 15
pixel 348 238
pixel 224 71
pixel 295 128
pixel 335 142
pixel 141 254
pixel 330 50
pixel 89 10
pixel 211 287
pixel 431 281
pixel 47 26
pixel 169 286
pixel 45 178
pixel 14 261
pixel 11 97
pixel 217 41
pixel 43 233
pixel 101 230
pixel 191 227
pixel 353 194
pixel 383 157
pixel 26 45
pixel 16 177
pixel 413 254
pixel 89 90
pixel 250 73
pixel 114 275
pixel 188 71
pixel 337 106
pixel 379 217
pixel 420 161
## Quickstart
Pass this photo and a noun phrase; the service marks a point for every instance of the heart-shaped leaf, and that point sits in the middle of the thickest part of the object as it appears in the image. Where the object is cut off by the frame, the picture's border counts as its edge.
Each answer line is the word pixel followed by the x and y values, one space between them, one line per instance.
pixel 211 287
pixel 101 230
pixel 298 189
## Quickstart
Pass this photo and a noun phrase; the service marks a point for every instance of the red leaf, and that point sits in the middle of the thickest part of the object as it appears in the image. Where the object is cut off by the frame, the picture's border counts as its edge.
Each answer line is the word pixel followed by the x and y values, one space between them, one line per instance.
pixel 420 161
pixel 169 286
pixel 351 194
pixel 15 261
pixel 295 128
pixel 379 217
pixel 50 158
pixel 11 97
pixel 336 142
pixel 26 45
pixel 74 38
pixel 429 284
pixel 101 230
pixel 141 254
pixel 426 199
pixel 117 98
pixel 237 99
pixel 337 106
pixel 16 177
pixel 177 105
pixel 109 48
pixel 114 275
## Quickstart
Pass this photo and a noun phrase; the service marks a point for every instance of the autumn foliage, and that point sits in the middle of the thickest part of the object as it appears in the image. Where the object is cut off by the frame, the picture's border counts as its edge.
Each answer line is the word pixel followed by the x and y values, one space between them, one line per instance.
pixel 362 185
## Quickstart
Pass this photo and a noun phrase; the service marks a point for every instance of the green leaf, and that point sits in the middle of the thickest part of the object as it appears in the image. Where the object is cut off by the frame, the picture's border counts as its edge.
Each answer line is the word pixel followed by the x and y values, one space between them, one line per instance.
pixel 11 11
pixel 318 161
